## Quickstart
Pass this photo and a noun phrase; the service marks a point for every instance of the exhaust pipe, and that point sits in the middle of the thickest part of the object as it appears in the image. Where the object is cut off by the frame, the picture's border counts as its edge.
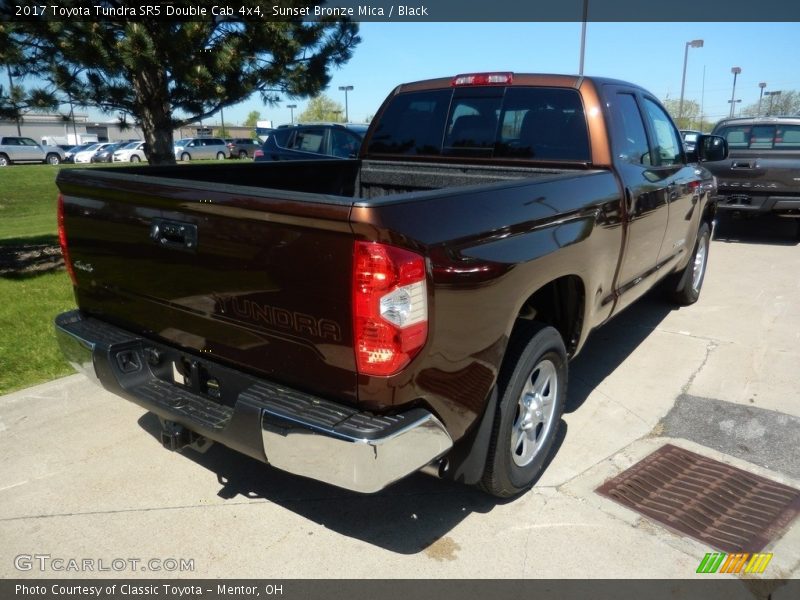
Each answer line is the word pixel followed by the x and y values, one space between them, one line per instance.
pixel 437 468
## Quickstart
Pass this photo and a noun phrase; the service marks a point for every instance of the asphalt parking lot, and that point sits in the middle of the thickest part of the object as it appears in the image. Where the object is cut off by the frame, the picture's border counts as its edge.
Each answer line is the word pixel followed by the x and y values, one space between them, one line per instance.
pixel 84 475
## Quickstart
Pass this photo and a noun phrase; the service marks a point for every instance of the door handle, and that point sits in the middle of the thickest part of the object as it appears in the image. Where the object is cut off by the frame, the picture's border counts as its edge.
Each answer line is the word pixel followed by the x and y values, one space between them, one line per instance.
pixel 174 234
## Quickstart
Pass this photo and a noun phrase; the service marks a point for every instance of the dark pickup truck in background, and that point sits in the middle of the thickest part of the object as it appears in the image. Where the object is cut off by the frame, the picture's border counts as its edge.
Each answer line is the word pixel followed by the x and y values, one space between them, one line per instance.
pixel 415 309
pixel 761 176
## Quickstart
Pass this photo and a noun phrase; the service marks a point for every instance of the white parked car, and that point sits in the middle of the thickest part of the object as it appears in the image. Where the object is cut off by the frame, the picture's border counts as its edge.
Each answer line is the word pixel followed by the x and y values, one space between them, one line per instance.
pixel 85 155
pixel 133 152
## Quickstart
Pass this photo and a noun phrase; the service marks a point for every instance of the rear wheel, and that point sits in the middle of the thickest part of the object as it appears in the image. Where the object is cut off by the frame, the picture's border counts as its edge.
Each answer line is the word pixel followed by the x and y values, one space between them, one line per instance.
pixel 242 153
pixel 685 286
pixel 53 159
pixel 4 161
pixel 220 156
pixel 533 389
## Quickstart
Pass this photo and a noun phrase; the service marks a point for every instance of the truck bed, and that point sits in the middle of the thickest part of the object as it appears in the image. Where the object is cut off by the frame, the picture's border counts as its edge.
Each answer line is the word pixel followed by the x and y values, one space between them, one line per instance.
pixel 347 180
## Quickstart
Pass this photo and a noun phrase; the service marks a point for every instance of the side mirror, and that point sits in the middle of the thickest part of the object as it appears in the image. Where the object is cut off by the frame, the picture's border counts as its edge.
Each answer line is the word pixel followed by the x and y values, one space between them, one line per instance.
pixel 709 148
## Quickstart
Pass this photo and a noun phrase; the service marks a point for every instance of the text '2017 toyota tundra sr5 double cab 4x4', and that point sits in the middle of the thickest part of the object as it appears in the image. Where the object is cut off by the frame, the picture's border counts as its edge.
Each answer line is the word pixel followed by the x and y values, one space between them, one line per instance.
pixel 357 321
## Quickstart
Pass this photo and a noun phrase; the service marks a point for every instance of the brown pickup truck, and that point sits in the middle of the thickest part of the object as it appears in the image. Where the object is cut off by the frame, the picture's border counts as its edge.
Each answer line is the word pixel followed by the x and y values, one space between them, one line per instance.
pixel 355 321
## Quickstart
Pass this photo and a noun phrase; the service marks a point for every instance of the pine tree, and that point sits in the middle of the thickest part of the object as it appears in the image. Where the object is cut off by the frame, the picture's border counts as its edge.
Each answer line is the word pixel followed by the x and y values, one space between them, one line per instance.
pixel 166 74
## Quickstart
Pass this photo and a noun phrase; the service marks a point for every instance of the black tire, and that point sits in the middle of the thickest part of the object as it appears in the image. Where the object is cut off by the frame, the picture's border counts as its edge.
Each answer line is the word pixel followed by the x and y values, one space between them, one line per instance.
pixel 186 157
pixel 512 466
pixel 221 156
pixel 242 153
pixel 684 287
pixel 135 158
pixel 4 160
pixel 53 159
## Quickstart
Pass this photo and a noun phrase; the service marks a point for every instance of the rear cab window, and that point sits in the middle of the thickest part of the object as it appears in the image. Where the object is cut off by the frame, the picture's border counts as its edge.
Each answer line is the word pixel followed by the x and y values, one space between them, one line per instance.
pixel 761 136
pixel 527 123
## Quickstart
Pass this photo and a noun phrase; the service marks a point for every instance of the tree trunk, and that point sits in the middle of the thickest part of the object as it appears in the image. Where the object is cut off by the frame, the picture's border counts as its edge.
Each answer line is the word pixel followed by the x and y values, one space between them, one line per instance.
pixel 152 108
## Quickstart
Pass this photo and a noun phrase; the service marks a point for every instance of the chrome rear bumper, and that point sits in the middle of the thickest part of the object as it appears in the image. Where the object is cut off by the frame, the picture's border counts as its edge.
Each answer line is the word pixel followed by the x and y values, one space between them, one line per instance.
pixel 291 430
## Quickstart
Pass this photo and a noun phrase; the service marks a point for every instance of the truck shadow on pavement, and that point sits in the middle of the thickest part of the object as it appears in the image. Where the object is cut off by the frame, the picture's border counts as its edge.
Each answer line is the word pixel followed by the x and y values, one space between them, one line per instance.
pixel 414 514
pixel 609 346
pixel 407 517
pixel 767 229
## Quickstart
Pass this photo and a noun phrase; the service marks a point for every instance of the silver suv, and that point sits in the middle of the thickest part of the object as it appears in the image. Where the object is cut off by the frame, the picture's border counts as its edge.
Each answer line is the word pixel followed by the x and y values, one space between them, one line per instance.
pixel 23 149
pixel 198 148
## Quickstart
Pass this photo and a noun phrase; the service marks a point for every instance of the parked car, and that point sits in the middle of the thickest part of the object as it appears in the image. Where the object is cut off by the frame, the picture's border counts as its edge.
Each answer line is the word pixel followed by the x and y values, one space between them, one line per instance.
pixel 199 148
pixel 106 154
pixel 86 155
pixel 15 149
pixel 69 154
pixel 312 140
pixel 355 321
pixel 242 147
pixel 131 152
pixel 762 173
pixel 690 138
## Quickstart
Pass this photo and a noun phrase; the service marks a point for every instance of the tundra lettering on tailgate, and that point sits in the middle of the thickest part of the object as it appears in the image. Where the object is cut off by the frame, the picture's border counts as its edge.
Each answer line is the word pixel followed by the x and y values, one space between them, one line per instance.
pixel 281 319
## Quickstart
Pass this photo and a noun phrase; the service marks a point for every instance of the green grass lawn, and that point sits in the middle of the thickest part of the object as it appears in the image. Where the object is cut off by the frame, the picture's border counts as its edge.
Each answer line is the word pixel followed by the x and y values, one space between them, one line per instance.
pixel 28 196
pixel 29 300
pixel 28 350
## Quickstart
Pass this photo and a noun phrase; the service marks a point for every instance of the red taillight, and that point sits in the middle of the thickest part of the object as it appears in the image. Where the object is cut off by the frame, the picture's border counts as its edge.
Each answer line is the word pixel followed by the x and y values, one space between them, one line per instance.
pixel 62 240
pixel 258 153
pixel 390 307
pixel 483 79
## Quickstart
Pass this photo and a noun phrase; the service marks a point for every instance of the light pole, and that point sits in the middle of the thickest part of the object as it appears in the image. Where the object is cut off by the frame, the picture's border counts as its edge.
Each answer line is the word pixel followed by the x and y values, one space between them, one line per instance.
pixel 735 71
pixel 771 96
pixel 583 35
pixel 291 108
pixel 692 44
pixel 345 89
pixel 762 85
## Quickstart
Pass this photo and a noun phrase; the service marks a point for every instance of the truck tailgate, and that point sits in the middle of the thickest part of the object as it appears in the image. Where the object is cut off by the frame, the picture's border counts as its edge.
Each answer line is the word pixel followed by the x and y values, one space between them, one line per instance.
pixel 256 279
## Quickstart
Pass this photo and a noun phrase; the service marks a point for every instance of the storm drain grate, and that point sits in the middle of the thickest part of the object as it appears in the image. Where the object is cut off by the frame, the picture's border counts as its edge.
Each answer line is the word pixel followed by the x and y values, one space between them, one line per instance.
pixel 725 507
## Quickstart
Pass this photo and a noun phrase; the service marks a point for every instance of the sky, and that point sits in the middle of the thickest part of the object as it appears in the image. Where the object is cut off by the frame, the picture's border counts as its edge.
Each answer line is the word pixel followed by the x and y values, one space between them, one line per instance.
pixel 648 54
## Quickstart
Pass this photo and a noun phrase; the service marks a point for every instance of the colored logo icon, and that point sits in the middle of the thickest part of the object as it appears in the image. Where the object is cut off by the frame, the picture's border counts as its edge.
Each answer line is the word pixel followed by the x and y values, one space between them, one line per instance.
pixel 743 562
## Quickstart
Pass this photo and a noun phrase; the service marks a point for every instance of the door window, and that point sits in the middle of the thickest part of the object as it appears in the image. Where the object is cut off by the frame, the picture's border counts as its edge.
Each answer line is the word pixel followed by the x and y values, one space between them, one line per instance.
pixel 667 141
pixel 309 140
pixel 630 138
pixel 344 144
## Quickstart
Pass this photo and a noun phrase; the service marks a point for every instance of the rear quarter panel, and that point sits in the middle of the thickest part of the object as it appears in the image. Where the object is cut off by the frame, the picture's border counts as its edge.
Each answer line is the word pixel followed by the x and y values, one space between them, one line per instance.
pixel 489 248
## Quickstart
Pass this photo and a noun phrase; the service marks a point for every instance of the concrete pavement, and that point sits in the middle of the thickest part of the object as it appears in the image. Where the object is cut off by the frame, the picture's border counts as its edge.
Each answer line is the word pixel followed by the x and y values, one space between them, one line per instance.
pixel 84 475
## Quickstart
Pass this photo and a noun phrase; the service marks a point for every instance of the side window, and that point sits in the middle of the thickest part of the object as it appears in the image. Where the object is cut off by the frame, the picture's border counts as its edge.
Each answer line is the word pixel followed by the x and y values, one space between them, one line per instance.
pixel 630 140
pixel 27 142
pixel 667 142
pixel 343 144
pixel 309 140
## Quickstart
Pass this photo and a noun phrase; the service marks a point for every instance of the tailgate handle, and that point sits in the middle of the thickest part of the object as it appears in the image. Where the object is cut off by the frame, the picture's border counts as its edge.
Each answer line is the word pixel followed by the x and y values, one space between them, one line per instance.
pixel 174 234
pixel 742 165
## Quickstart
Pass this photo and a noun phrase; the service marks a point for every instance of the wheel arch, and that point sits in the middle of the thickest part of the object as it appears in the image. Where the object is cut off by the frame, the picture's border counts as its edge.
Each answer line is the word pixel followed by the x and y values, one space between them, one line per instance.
pixel 560 303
